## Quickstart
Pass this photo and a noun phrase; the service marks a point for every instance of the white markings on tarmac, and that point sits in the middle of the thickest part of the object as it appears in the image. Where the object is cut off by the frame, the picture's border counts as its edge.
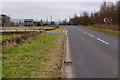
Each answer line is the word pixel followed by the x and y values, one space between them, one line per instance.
pixel 68 69
pixel 91 35
pixel 85 32
pixel 102 41
pixel 65 32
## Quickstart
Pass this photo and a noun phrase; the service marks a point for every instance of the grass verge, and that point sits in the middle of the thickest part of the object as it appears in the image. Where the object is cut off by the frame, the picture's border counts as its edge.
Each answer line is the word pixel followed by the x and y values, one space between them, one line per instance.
pixel 8 36
pixel 104 30
pixel 36 58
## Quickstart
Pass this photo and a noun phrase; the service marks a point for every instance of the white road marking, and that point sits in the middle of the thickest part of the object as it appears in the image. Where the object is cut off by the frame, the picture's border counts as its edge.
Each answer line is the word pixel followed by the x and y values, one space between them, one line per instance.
pixel 91 35
pixel 66 32
pixel 68 69
pixel 102 41
pixel 85 32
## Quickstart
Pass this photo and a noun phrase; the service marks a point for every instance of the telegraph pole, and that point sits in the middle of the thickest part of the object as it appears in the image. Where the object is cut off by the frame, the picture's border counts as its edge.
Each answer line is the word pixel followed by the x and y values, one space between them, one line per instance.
pixel 66 21
pixel 69 19
pixel 46 19
pixel 59 21
pixel 51 19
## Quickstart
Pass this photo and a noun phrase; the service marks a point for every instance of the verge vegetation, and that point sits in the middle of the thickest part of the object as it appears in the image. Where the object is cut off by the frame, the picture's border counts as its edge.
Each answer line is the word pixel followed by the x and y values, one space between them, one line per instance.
pixel 8 36
pixel 36 58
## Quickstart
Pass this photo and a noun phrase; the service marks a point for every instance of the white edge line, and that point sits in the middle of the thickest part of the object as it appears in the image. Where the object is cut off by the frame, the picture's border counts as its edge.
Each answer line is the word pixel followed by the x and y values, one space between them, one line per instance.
pixel 102 41
pixel 66 32
pixel 68 69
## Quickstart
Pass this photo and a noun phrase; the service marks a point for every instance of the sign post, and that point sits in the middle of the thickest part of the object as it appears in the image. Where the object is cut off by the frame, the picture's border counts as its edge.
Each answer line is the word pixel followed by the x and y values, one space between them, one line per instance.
pixel 108 20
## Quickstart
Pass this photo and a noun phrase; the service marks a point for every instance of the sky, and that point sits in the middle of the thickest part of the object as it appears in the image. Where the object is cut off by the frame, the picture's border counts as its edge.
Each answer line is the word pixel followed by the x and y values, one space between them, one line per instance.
pixel 57 0
pixel 44 9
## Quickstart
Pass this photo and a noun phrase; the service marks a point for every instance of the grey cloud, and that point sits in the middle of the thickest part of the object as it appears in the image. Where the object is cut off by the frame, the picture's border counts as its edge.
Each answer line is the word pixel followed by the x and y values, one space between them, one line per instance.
pixel 42 9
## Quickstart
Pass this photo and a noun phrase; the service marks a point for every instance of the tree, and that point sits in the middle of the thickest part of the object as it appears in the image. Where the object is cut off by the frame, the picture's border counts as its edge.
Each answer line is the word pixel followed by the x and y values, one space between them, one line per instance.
pixel 118 12
pixel 5 20
pixel 52 23
pixel 64 22
pixel 84 19
pixel 107 10
pixel 75 20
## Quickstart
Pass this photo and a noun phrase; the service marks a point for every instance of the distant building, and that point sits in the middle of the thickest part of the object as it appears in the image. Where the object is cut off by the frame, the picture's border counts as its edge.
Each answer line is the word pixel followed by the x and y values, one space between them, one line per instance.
pixel 37 23
pixel 28 22
pixel 32 22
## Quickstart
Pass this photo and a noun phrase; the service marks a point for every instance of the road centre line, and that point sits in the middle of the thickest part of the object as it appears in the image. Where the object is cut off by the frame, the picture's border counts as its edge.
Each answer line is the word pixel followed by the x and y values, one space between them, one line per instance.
pixel 90 35
pixel 85 32
pixel 102 41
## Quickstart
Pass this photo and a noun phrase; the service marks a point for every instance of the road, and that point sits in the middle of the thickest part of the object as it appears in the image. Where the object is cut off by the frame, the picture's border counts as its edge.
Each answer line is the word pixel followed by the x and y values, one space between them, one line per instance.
pixel 94 54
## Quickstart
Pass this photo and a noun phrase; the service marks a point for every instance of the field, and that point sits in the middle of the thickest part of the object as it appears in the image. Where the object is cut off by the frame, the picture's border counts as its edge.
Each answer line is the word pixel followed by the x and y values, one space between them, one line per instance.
pixel 8 36
pixel 36 58
pixel 26 27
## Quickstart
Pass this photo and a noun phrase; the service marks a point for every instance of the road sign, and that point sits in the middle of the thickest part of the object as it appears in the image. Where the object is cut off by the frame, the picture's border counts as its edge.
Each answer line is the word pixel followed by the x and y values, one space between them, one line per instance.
pixel 108 20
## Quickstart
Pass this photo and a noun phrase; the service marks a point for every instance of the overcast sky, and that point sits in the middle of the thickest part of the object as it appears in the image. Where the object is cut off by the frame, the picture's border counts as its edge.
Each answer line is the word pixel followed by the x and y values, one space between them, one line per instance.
pixel 40 10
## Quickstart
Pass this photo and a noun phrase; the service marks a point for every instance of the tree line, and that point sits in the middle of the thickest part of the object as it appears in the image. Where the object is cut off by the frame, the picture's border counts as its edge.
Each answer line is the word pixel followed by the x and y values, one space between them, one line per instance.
pixel 107 10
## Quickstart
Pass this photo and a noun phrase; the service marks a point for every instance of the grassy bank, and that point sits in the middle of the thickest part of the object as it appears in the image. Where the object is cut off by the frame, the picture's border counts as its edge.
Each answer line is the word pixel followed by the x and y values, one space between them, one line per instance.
pixel 104 30
pixel 36 58
pixel 8 36
pixel 113 27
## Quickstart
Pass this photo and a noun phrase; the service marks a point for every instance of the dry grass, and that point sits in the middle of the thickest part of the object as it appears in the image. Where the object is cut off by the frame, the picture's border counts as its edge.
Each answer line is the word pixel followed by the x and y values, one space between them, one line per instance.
pixel 107 26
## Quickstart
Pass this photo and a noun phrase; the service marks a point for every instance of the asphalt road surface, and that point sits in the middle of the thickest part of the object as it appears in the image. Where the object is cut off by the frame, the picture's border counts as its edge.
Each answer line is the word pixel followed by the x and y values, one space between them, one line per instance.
pixel 94 54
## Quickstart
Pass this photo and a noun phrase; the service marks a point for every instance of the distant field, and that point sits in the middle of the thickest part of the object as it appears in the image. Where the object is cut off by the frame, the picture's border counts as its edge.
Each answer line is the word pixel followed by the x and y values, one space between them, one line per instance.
pixel 26 27
pixel 37 58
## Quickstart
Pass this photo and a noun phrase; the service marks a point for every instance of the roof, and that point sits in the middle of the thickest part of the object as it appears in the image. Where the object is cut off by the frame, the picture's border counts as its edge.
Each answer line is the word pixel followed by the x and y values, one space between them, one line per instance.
pixel 28 20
